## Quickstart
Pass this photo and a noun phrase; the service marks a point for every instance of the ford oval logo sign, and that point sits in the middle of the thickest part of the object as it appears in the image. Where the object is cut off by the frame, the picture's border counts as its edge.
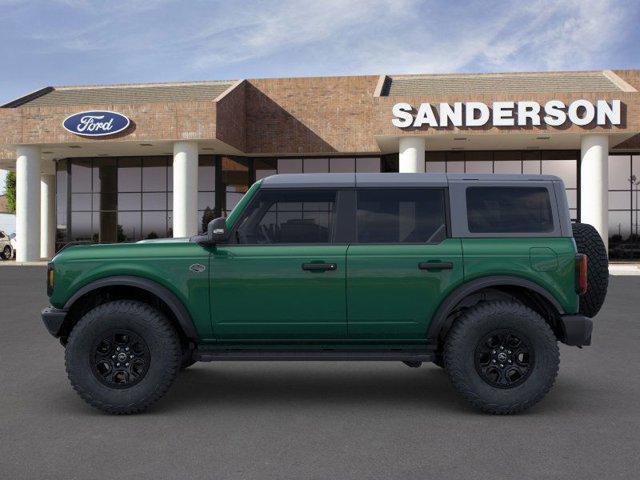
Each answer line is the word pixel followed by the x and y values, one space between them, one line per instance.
pixel 96 123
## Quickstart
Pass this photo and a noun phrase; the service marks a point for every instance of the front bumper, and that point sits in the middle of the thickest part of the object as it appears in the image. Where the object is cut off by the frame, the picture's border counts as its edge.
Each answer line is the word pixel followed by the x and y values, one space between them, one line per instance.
pixel 576 330
pixel 53 319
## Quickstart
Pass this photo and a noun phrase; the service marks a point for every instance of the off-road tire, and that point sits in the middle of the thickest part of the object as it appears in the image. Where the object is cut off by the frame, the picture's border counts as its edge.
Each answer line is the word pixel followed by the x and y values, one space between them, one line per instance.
pixel 147 323
pixel 6 253
pixel 589 242
pixel 469 331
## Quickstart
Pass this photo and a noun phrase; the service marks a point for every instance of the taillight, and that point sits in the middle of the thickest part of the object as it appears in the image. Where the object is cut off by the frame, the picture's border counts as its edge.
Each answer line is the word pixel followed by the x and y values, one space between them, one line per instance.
pixel 49 279
pixel 581 274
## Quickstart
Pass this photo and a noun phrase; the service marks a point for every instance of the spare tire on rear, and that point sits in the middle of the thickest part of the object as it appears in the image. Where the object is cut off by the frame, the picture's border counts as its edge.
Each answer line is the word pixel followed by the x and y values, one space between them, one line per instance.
pixel 588 242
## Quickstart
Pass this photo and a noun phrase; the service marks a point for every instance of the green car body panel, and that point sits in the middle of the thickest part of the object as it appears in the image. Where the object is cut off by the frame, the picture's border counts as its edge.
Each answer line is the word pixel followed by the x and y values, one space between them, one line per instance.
pixel 547 262
pixel 390 297
pixel 375 296
pixel 165 263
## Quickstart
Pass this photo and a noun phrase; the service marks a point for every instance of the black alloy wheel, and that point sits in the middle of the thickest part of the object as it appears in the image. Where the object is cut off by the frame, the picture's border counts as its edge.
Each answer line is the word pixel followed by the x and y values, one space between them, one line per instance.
pixel 120 359
pixel 6 252
pixel 504 358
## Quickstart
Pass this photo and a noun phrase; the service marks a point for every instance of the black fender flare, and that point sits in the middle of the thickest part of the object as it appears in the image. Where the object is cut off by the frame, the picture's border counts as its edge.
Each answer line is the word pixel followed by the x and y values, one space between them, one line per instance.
pixel 440 318
pixel 174 303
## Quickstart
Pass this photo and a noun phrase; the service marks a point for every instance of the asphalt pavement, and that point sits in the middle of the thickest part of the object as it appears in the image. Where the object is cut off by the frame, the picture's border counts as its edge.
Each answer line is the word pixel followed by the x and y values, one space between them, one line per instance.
pixel 334 420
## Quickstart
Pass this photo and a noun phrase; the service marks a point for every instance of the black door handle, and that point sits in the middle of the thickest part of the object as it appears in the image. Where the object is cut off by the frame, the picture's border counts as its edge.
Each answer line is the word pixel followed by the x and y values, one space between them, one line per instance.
pixel 435 265
pixel 319 267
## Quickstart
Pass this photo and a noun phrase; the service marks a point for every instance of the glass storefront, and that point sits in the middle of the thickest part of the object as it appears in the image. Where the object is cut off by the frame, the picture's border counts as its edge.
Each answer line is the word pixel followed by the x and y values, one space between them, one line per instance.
pixel 107 199
pixel 124 199
pixel 624 186
pixel 561 163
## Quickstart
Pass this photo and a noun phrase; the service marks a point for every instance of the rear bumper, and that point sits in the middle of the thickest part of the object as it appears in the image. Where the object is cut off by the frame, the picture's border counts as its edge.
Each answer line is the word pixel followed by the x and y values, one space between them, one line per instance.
pixel 576 330
pixel 53 319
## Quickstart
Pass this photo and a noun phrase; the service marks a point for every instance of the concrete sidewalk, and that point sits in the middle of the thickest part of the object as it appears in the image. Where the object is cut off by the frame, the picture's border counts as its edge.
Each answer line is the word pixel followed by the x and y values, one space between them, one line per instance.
pixel 624 269
pixel 13 263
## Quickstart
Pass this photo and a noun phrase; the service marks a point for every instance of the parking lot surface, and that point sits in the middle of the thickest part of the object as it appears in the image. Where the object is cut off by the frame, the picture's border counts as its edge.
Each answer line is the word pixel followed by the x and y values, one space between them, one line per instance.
pixel 335 420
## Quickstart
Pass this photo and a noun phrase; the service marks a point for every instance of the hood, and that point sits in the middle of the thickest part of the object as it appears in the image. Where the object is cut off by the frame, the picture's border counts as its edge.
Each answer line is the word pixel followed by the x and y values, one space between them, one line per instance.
pixel 165 240
pixel 143 248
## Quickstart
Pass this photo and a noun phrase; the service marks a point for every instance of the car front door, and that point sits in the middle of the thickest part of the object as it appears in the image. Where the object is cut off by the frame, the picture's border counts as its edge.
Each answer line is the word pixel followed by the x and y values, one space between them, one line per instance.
pixel 402 263
pixel 282 277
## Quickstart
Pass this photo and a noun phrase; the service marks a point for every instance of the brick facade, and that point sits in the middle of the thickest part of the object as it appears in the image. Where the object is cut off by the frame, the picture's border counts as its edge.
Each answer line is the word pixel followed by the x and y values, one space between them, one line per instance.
pixel 291 116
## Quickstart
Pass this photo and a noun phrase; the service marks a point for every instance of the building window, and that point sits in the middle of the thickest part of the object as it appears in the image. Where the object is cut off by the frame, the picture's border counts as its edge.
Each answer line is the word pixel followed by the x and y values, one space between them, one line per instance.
pixel 61 203
pixel 624 198
pixel 318 165
pixel 563 163
pixel 126 198
pixel 109 195
pixel 206 191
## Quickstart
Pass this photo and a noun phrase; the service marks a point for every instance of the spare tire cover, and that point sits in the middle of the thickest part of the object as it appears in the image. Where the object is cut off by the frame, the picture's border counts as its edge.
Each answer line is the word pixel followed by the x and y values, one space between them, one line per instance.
pixel 588 241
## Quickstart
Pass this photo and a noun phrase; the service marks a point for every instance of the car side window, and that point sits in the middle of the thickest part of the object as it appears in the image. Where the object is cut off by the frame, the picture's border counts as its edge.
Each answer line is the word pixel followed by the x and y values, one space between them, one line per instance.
pixel 509 210
pixel 401 215
pixel 2 236
pixel 289 217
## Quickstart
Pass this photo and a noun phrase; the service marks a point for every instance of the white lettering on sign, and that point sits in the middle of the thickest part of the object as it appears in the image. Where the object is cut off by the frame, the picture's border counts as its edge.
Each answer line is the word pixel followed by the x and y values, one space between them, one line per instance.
pixel 89 123
pixel 554 113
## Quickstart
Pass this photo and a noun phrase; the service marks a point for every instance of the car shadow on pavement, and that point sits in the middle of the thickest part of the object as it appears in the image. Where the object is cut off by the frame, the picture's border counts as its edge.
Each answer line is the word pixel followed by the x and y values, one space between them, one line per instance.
pixel 274 383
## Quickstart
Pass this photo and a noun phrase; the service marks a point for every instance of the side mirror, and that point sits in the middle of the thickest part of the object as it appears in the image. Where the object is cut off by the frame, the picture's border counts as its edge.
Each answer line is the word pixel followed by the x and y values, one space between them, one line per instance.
pixel 217 230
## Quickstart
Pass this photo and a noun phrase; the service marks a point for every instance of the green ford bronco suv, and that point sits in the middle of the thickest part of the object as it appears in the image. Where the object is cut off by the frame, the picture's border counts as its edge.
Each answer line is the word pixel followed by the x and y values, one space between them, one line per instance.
pixel 480 274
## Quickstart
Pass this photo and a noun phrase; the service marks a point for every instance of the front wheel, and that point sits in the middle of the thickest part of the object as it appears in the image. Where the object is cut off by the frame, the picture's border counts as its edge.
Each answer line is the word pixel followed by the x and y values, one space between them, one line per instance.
pixel 502 357
pixel 122 356
pixel 6 253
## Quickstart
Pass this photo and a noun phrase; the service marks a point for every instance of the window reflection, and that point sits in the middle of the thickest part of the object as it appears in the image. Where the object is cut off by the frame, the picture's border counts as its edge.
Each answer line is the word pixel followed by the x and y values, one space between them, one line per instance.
pixel 624 203
pixel 265 167
pixel 111 197
pixel 129 174
pixel 342 165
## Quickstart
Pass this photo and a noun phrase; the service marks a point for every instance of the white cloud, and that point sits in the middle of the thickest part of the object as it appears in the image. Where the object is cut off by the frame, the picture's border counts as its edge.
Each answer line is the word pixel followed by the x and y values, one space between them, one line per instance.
pixel 543 35
pixel 163 39
pixel 291 24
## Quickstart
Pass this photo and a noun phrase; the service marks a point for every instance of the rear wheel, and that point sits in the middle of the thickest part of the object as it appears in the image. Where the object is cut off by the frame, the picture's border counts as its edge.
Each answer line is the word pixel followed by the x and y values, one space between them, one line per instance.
pixel 588 242
pixel 6 253
pixel 122 356
pixel 502 357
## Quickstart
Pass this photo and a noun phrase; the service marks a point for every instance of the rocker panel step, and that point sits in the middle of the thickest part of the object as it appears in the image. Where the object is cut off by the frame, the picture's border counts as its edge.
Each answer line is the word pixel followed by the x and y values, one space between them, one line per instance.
pixel 307 355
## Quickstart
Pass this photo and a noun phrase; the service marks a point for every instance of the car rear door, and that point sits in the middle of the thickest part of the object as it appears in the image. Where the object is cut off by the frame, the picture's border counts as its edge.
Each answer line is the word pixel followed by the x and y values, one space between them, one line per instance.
pixel 402 263
pixel 284 277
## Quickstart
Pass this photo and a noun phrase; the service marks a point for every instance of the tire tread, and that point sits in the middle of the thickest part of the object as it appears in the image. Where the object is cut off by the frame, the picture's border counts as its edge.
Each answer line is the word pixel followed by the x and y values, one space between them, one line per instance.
pixel 164 329
pixel 588 242
pixel 458 336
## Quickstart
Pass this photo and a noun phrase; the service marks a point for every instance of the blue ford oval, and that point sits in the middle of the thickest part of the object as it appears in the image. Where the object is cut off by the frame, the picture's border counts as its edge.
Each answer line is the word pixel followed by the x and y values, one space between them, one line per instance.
pixel 96 123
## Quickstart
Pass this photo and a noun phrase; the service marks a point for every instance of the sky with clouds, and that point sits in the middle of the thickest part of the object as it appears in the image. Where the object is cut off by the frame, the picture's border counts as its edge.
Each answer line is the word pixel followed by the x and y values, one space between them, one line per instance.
pixel 71 42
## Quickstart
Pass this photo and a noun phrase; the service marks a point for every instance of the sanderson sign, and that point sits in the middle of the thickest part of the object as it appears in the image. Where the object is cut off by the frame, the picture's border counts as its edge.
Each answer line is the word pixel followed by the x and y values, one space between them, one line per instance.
pixel 96 123
pixel 507 114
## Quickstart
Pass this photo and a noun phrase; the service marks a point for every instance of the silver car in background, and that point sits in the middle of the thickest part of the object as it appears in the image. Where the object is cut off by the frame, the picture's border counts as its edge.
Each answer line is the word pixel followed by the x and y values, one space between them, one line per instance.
pixel 6 247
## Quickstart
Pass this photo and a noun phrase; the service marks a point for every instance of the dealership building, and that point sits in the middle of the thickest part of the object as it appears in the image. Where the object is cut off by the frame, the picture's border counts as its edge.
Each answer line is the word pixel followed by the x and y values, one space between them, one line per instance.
pixel 113 163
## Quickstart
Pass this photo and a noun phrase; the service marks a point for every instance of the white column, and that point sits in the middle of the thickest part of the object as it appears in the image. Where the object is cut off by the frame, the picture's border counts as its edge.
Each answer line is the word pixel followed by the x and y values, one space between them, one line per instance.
pixel 185 189
pixel 411 154
pixel 28 203
pixel 47 215
pixel 594 183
